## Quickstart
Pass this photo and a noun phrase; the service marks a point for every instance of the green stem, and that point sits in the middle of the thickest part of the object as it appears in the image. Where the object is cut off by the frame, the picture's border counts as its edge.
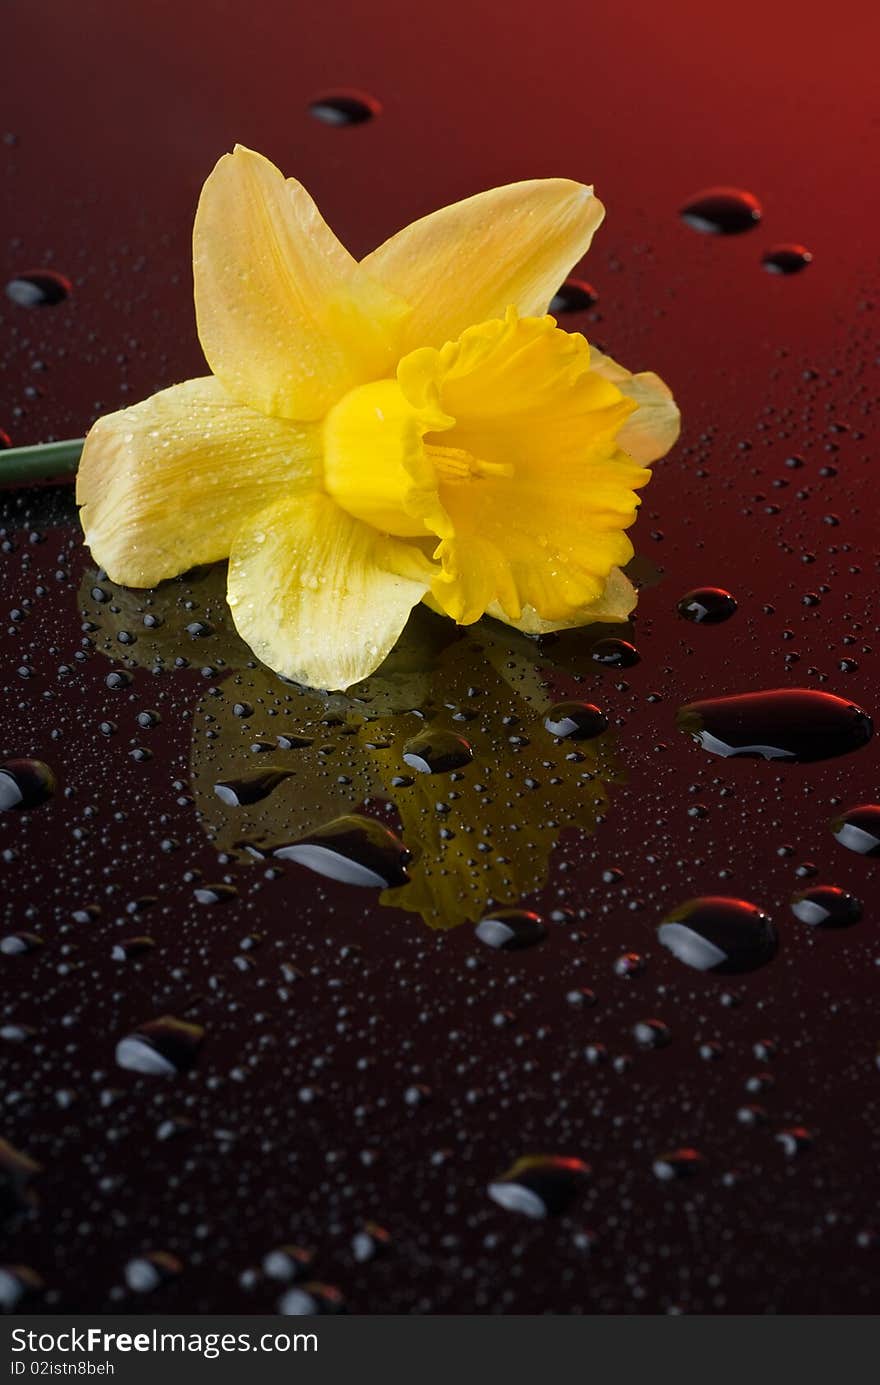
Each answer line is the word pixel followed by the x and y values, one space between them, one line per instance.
pixel 44 462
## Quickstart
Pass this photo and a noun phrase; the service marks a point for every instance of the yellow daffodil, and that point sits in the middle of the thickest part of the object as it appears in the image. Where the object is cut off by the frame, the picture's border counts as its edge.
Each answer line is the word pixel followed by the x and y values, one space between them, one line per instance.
pixel 411 427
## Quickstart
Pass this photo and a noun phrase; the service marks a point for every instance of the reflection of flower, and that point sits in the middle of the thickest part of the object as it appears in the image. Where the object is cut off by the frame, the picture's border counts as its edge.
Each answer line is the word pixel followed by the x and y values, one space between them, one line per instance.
pixel 377 434
pixel 481 833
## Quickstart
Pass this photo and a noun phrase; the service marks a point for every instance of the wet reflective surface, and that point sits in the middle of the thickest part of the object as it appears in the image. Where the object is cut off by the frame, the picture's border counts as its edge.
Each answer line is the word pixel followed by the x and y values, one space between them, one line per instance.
pixel 255 1060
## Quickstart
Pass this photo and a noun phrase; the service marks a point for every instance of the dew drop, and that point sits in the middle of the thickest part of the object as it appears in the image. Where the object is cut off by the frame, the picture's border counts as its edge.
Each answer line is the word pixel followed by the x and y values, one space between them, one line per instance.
pixel 25 784
pixel 41 288
pixel 722 211
pixel 215 894
pixel 311 1300
pixel 576 721
pixel 147 1272
pixel 574 296
pixel 615 653
pixel 437 752
pixel 707 605
pixel 826 906
pixel 858 829
pixel 799 725
pixel 539 1186
pixel 250 788
pixel 511 929
pixel 720 934
pixel 17 1282
pixel 677 1163
pixel 353 849
pixel 786 259
pixel 345 108
pixel 161 1048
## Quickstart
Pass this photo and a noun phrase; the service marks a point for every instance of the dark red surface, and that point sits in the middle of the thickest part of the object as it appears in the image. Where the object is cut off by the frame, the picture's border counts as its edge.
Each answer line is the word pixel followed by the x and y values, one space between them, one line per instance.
pixel 118 113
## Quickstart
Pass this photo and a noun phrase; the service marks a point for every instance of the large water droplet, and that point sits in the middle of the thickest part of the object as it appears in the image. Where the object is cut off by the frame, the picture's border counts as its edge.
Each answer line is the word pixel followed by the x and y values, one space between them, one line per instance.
pixel 826 906
pixel 576 721
pixel 707 605
pixel 797 724
pixel 511 929
pixel 539 1185
pixel 250 788
pixel 161 1048
pixel 437 752
pixel 720 934
pixel 722 211
pixel 353 849
pixel 858 829
pixel 25 784
pixel 41 288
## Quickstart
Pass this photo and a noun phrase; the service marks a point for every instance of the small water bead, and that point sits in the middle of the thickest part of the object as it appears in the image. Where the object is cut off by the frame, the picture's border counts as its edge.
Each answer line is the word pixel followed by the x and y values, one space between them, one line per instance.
pixel 118 679
pixel 798 725
pixel 858 829
pixel 371 1241
pixel 722 211
pixel 615 653
pixel 576 721
pixel 200 629
pixel 25 784
pixel 41 288
pixel 786 259
pixel 17 1283
pixel 437 752
pixel 707 605
pixel 509 930
pixel 250 788
pixel 161 1048
pixel 826 906
pixel 652 1033
pixel 796 1140
pixel 345 108
pixel 287 1262
pixel 353 849
pixel 719 934
pixel 146 1272
pixel 291 741
pixel 678 1163
pixel 312 1300
pixel 215 894
pixel 540 1185
pixel 574 296
pixel 629 964
pixel 18 944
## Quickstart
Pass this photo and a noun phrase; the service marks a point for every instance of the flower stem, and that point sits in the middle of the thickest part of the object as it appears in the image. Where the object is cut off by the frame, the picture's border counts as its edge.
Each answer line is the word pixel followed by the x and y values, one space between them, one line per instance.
pixel 44 462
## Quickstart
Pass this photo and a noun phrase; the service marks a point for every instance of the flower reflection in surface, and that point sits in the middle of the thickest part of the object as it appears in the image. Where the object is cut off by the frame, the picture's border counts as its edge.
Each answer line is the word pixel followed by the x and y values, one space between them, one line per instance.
pixel 479 835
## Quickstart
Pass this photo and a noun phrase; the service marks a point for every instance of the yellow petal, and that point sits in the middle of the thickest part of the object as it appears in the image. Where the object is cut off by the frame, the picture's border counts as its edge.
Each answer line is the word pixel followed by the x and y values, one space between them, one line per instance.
pixel 531 476
pixel 320 597
pixel 650 432
pixel 615 605
pixel 165 484
pixel 469 262
pixel 286 318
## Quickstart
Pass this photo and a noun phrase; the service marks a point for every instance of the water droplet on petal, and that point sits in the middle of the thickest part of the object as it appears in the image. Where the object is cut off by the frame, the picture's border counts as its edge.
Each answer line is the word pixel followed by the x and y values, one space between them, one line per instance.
pixel 677 1163
pixel 615 653
pixel 311 1300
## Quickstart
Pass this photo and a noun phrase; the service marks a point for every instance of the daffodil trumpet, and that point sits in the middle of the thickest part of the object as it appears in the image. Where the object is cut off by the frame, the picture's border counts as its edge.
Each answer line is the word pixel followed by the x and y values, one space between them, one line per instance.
pixel 411 427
